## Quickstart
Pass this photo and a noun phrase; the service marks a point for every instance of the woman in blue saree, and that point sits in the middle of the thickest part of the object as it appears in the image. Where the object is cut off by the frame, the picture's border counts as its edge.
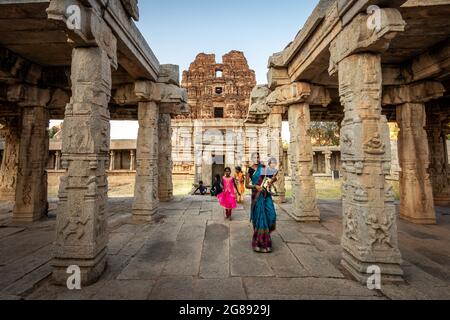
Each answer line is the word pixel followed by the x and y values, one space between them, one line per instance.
pixel 263 214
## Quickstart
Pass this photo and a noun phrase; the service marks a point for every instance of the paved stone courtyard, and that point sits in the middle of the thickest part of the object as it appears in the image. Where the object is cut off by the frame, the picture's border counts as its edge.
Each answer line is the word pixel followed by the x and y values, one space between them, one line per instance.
pixel 191 252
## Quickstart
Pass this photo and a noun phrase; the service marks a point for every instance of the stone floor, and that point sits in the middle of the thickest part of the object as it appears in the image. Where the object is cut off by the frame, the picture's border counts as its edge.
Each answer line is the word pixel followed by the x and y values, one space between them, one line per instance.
pixel 191 252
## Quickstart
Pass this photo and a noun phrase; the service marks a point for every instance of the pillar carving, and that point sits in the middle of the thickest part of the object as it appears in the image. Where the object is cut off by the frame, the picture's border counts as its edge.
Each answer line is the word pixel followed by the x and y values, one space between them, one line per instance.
pixel 369 218
pixel 31 190
pixel 437 129
pixel 82 235
pixel 10 132
pixel 58 160
pixel 297 97
pixel 370 227
pixel 112 160
pixel 165 163
pixel 328 155
pixel 275 145
pixel 303 184
pixel 416 194
pixel 132 160
pixel 146 189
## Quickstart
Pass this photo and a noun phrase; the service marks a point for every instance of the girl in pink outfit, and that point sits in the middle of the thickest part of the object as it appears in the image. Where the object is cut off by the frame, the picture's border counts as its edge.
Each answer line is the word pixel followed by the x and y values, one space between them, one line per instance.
pixel 227 198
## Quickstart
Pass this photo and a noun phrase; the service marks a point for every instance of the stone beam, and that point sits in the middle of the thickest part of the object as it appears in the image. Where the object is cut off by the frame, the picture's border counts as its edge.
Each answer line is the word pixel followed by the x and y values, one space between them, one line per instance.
pixel 433 64
pixel 131 7
pixel 171 98
pixel 359 36
pixel 258 110
pixel 299 92
pixel 419 92
pixel 24 95
pixel 90 29
pixel 18 68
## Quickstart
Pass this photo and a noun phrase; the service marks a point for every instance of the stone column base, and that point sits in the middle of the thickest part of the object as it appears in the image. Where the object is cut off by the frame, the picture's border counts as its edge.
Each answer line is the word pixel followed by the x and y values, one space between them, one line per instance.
pixel 91 269
pixel 306 216
pixel 442 200
pixel 166 199
pixel 8 196
pixel 424 221
pixel 140 215
pixel 390 272
pixel 26 217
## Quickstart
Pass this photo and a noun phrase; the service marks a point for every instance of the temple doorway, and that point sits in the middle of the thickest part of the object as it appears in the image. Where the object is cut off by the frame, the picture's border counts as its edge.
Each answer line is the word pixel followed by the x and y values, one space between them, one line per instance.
pixel 218 166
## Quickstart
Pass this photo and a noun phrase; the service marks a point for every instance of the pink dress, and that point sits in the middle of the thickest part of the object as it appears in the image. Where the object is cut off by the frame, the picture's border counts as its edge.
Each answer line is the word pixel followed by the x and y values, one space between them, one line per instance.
pixel 227 198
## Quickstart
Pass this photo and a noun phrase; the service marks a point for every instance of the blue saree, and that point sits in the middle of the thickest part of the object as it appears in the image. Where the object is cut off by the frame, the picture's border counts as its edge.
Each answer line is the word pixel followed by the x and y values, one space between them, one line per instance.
pixel 263 214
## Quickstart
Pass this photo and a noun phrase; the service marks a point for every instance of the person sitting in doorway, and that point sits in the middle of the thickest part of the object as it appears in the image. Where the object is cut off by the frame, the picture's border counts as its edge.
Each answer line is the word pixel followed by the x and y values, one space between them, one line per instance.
pixel 201 188
pixel 217 187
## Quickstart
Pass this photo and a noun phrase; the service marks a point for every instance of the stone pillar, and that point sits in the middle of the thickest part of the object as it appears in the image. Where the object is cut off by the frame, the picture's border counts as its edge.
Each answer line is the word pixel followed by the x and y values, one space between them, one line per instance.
pixel 112 160
pixel 58 160
pixel 8 170
pixel 146 189
pixel 328 155
pixel 369 219
pixel 303 183
pixel 370 224
pixel 275 145
pixel 132 160
pixel 297 97
pixel 31 190
pixel 165 163
pixel 416 194
pixel 82 235
pixel 439 165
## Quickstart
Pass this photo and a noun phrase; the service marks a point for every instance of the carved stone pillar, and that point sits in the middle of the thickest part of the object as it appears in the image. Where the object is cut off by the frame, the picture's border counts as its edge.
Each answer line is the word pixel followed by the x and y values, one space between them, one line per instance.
pixel 370 226
pixel 439 165
pixel 31 190
pixel 328 155
pixel 303 183
pixel 132 160
pixel 112 160
pixel 8 170
pixel 297 97
pixel 165 163
pixel 82 235
pixel 416 194
pixel 58 160
pixel 275 145
pixel 369 218
pixel 146 189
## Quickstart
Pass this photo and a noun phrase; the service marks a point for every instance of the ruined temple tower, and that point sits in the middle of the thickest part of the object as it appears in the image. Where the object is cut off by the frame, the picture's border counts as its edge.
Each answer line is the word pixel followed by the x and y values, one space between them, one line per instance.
pixel 214 136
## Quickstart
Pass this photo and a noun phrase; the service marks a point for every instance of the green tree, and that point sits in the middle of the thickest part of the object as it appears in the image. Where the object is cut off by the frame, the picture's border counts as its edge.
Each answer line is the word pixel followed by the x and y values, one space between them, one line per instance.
pixel 324 134
pixel 53 131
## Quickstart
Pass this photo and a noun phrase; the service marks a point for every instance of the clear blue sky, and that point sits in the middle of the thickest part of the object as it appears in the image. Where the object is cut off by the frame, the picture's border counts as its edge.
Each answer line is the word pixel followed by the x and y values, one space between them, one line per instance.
pixel 177 30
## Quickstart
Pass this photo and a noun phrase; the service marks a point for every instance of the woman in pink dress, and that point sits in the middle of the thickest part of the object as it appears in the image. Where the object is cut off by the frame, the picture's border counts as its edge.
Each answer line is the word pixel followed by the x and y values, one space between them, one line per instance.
pixel 227 198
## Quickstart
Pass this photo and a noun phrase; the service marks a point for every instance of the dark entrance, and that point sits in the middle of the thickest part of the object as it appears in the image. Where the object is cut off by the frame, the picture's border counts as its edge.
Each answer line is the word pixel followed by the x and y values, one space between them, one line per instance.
pixel 218 166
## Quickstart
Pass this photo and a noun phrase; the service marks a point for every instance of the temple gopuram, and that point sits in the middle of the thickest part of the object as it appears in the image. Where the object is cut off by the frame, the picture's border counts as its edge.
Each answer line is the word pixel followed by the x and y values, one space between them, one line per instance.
pixel 213 136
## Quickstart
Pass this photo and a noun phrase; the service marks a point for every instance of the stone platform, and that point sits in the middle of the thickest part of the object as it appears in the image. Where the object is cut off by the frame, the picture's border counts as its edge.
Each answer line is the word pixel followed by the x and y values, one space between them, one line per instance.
pixel 191 252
